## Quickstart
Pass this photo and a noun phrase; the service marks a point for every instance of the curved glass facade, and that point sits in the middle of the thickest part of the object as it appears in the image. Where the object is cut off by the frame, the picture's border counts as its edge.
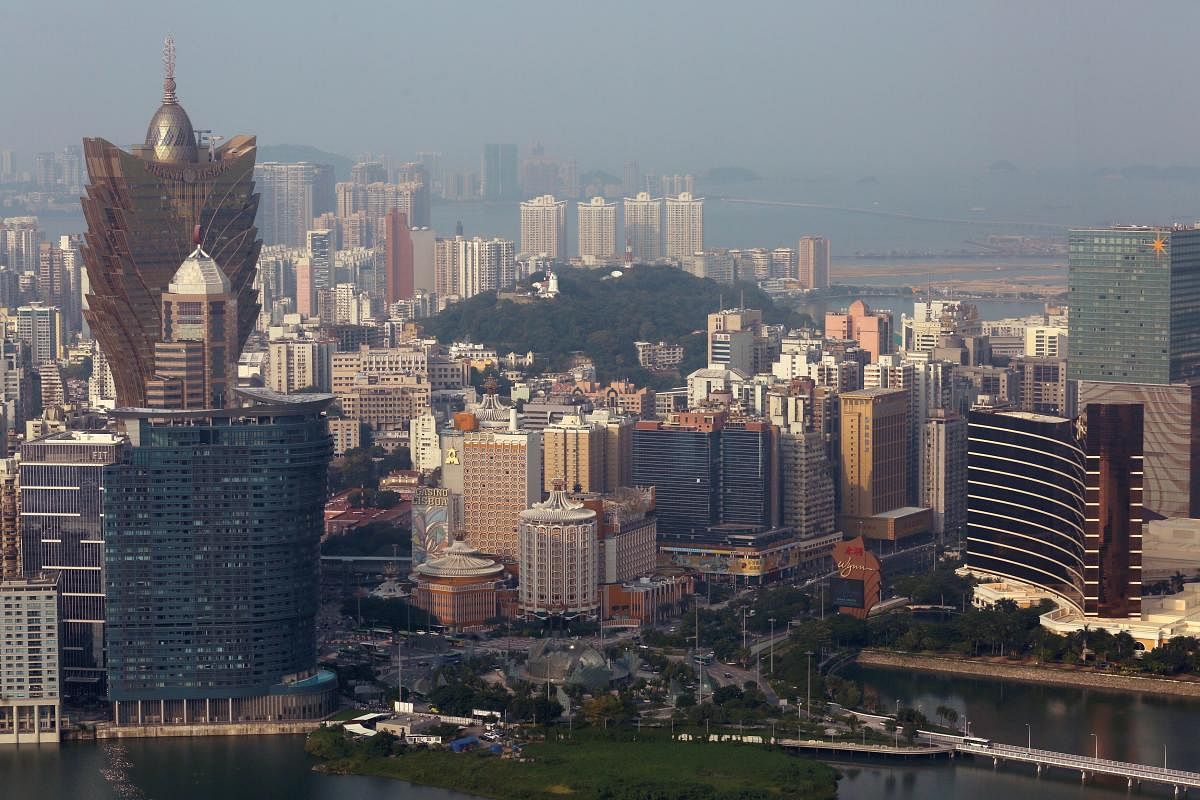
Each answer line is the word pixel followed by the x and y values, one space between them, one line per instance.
pixel 1025 501
pixel 213 526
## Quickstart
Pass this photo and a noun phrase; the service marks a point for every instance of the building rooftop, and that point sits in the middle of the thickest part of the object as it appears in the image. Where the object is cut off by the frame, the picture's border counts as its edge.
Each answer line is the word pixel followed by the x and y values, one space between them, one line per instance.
pixel 199 274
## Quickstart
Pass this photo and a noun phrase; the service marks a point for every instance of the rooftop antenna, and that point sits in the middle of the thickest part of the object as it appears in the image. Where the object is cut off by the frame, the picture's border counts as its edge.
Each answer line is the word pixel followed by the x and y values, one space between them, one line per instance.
pixel 168 58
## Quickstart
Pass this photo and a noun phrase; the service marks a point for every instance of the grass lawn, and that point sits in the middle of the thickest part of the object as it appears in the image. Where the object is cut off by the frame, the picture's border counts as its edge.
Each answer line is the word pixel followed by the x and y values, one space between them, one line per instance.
pixel 613 767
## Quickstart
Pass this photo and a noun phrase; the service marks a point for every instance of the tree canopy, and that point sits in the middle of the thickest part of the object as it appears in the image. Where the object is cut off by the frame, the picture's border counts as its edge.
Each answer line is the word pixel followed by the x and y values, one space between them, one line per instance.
pixel 603 316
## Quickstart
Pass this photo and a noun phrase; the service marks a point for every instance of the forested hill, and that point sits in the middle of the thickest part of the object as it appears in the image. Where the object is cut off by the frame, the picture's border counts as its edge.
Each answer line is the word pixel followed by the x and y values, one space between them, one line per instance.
pixel 602 316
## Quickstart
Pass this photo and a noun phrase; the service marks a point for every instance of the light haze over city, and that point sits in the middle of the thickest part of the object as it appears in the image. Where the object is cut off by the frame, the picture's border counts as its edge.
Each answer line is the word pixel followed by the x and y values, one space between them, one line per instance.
pixel 807 87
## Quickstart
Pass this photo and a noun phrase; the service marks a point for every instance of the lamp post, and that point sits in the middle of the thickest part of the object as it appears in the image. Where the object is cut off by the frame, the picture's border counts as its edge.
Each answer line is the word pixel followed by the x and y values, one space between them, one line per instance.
pixel 1096 740
pixel 1028 737
pixel 808 695
pixel 771 647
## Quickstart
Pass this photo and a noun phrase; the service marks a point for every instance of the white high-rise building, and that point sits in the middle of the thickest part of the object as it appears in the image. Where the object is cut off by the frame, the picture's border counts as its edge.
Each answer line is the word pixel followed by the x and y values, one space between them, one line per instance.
pixel 813 262
pixel 544 227
pixel 643 227
pixel 484 265
pixel 684 227
pixel 41 328
pixel 102 390
pixel 597 231
pixel 321 256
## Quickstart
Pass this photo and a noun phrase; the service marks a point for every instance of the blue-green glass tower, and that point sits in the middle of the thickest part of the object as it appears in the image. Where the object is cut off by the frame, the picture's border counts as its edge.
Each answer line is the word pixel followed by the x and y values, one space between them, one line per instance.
pixel 212 533
pixel 1134 299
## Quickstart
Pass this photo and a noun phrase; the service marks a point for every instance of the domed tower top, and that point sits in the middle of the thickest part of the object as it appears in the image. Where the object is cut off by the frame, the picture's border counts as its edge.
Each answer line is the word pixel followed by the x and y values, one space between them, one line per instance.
pixel 170 133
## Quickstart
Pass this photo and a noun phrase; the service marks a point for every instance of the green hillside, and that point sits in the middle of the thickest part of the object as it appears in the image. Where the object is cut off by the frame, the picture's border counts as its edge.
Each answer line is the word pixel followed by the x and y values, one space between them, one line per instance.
pixel 603 316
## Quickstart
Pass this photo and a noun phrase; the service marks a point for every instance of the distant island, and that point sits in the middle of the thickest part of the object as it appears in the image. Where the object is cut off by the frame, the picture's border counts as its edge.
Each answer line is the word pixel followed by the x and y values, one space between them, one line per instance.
pixel 602 316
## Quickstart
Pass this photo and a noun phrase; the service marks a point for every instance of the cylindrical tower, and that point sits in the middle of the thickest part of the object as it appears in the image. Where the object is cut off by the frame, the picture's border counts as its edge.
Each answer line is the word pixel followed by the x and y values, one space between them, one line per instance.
pixel 558 555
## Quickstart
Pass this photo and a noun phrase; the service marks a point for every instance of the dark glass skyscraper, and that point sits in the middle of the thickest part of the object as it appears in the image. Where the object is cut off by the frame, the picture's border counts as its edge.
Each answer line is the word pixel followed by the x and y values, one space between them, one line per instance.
pixel 61 488
pixel 1113 525
pixel 212 527
pixel 683 464
pixel 1134 295
pixel 141 209
pixel 1025 501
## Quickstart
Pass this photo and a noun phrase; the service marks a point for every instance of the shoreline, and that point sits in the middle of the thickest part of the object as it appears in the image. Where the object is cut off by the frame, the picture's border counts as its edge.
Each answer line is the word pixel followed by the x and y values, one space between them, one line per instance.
pixel 1028 673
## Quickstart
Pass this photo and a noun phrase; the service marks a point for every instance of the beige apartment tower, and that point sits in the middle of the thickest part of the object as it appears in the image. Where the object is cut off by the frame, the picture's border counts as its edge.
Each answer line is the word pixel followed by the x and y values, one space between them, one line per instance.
pixel 812 256
pixel 544 227
pixel 684 227
pixel 597 231
pixel 643 227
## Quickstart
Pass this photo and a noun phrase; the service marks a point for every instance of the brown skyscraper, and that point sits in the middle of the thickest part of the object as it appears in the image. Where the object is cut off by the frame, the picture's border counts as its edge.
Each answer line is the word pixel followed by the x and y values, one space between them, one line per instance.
pixel 141 209
pixel 1112 527
pixel 399 257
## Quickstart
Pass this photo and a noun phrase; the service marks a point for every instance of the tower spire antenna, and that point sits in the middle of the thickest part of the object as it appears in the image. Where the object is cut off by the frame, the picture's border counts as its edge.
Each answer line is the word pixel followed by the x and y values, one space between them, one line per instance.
pixel 168 58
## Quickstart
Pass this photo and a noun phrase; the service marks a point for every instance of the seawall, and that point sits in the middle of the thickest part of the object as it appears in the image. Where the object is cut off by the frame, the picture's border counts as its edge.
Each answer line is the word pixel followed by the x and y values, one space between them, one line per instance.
pixel 1026 673
pixel 104 731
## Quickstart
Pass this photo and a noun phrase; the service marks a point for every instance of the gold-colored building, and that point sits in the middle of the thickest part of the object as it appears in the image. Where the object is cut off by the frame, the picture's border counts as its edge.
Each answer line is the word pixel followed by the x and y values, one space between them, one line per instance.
pixel 873 458
pixel 142 208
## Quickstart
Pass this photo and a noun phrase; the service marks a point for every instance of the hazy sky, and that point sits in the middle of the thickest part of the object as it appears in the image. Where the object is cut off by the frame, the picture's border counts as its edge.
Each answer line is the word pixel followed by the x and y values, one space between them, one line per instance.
pixel 799 86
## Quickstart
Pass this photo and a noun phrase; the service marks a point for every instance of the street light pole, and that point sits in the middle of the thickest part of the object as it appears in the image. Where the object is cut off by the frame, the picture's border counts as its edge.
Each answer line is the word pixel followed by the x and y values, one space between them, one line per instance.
pixel 1096 739
pixel 771 647
pixel 808 696
pixel 1028 737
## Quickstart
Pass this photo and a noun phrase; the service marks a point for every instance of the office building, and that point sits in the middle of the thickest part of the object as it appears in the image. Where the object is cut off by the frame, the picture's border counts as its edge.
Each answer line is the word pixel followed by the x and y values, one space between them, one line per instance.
pixel 499 173
pixel 220 626
pixel 812 262
pixel 643 227
pixel 871 329
pixel 1171 441
pixel 135 240
pixel 40 328
pixel 195 362
pixel 1026 479
pixel 544 227
pixel 944 472
pixel 1134 305
pixel 558 557
pixel 873 457
pixel 399 269
pixel 682 460
pixel 749 487
pixel 62 487
pixel 1113 515
pixel 684 227
pixel 597 231
pixel 30 704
